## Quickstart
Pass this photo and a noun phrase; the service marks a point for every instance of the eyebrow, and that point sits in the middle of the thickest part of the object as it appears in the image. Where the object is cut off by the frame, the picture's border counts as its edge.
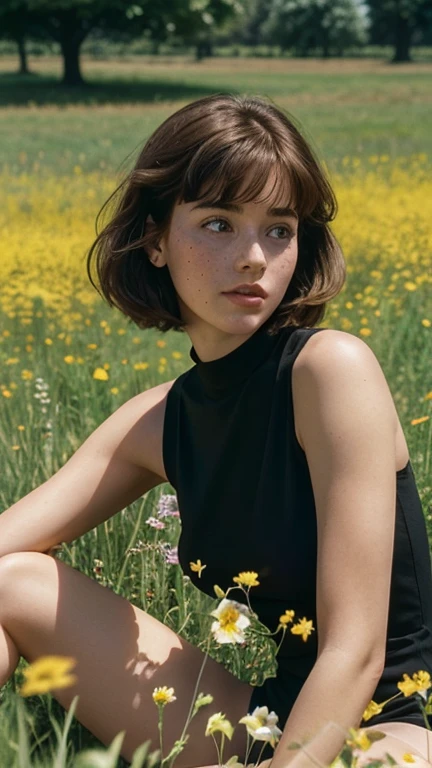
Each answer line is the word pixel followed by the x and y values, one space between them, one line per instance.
pixel 276 212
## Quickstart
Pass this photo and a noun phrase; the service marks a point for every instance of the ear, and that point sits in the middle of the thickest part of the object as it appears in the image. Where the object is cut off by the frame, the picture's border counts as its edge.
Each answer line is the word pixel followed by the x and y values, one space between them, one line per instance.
pixel 154 251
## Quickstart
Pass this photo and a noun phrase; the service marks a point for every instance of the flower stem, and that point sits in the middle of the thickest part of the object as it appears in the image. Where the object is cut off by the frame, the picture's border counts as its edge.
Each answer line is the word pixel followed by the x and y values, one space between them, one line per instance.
pixel 160 726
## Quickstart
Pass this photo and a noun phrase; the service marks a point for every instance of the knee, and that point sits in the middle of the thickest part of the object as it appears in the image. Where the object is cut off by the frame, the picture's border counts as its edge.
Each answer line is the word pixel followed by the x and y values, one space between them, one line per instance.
pixel 17 567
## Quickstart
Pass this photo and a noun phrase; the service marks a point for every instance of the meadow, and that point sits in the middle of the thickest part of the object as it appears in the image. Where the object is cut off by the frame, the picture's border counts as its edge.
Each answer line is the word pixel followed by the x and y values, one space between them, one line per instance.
pixel 68 360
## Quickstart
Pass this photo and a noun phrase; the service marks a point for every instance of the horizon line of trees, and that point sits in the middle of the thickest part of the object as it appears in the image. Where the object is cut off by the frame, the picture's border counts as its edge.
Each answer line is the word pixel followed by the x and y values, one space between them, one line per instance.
pixel 300 26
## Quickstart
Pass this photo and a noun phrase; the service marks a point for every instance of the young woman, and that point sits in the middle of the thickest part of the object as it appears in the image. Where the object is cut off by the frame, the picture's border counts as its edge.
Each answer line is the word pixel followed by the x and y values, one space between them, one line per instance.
pixel 282 442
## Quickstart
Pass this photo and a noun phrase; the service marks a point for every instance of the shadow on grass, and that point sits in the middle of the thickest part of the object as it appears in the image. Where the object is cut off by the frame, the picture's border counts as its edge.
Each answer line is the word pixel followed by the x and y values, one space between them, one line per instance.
pixel 19 90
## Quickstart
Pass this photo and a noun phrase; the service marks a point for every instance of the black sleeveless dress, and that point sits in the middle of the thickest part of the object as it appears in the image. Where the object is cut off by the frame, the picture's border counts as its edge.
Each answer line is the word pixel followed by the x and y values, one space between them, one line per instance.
pixel 246 504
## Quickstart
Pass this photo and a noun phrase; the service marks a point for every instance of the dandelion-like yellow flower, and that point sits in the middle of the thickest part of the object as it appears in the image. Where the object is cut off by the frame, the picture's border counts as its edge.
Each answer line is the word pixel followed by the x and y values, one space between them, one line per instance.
pixel 286 617
pixel 48 673
pixel 419 421
pixel 247 579
pixel 371 710
pixel 101 374
pixel 163 695
pixel 407 757
pixel 218 722
pixel 304 628
pixel 197 567
pixel 419 683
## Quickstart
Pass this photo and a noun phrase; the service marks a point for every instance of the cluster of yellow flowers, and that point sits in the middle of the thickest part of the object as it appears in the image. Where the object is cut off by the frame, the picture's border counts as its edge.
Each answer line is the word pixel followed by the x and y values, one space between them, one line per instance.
pixel 383 225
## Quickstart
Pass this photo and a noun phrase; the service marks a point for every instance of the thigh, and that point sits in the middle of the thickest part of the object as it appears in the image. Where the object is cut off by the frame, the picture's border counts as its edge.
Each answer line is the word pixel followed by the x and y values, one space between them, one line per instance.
pixel 412 738
pixel 122 654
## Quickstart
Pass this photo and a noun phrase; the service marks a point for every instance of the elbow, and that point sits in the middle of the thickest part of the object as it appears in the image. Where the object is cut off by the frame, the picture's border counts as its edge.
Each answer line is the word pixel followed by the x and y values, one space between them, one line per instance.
pixel 369 662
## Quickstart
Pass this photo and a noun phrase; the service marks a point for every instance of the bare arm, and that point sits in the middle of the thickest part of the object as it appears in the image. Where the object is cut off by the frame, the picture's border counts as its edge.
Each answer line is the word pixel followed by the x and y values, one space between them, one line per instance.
pixel 104 475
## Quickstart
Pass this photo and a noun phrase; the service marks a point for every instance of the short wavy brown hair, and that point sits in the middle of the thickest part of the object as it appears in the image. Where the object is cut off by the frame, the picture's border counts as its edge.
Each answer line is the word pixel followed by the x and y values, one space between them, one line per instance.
pixel 204 152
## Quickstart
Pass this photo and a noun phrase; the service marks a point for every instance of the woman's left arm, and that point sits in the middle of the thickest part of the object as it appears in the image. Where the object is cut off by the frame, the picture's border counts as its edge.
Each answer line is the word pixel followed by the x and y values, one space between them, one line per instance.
pixel 346 420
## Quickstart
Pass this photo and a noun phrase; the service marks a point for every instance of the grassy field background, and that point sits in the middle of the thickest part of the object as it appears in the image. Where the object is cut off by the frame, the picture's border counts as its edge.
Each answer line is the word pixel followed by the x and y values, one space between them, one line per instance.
pixel 61 154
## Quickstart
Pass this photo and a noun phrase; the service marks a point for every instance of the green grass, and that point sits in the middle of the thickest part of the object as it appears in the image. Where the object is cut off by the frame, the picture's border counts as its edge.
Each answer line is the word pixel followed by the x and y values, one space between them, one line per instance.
pixel 379 109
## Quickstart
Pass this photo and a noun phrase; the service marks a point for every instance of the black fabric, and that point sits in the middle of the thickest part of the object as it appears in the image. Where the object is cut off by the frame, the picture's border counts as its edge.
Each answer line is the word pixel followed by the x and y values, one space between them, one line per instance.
pixel 246 504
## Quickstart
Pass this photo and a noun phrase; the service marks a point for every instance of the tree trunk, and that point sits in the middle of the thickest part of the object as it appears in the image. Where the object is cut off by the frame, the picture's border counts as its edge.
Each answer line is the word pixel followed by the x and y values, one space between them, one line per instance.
pixel 23 70
pixel 402 40
pixel 204 49
pixel 70 49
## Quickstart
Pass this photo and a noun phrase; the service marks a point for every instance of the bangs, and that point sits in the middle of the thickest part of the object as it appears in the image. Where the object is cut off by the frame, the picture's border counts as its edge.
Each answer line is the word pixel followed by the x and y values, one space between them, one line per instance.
pixel 238 173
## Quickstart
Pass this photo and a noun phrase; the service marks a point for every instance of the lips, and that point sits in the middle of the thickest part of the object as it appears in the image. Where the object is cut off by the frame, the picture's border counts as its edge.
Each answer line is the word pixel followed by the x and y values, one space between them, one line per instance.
pixel 250 290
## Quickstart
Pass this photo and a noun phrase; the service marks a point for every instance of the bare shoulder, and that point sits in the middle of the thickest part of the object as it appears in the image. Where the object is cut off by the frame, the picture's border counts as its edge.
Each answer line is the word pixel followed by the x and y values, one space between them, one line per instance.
pixel 328 362
pixel 332 347
pixel 147 413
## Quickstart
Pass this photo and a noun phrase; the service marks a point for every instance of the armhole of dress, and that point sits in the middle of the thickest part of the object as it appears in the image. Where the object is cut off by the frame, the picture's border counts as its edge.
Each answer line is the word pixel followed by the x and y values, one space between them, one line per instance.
pixel 301 342
pixel 169 436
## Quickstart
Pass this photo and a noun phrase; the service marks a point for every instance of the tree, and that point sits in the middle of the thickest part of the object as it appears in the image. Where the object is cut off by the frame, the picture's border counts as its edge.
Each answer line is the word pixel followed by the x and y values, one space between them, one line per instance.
pixel 196 20
pixel 69 22
pixel 17 24
pixel 398 23
pixel 307 24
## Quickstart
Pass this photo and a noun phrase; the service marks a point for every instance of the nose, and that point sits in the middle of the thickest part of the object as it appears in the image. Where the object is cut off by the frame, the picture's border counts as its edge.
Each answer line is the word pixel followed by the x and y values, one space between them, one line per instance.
pixel 252 255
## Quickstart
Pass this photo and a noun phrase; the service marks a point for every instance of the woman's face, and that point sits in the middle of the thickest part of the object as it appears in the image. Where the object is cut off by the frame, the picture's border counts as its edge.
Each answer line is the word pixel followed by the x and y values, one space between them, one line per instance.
pixel 209 251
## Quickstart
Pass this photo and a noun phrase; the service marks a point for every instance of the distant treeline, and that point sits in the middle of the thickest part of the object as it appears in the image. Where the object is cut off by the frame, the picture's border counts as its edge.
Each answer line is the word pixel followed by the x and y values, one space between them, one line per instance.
pixel 267 28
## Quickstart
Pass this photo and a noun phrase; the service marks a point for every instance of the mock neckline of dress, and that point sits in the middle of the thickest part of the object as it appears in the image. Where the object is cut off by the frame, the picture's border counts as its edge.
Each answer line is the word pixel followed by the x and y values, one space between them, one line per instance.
pixel 219 377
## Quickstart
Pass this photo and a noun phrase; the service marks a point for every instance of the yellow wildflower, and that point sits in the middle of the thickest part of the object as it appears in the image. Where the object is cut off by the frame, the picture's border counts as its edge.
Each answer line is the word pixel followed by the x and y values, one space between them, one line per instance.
pixel 247 579
pixel 161 343
pixel 218 591
pixel 26 375
pixel 114 390
pixel 69 359
pixel 303 628
pixel 231 622
pixel 286 617
pixel 218 722
pixel 48 673
pixel 163 695
pixel 359 739
pixel 197 567
pixel 419 421
pixel 48 342
pixel 100 374
pixel 372 709
pixel 420 682
pixel 6 393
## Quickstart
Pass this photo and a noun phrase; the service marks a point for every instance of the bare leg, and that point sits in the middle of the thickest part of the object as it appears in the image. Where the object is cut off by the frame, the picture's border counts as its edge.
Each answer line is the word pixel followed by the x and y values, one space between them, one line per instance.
pixel 122 653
